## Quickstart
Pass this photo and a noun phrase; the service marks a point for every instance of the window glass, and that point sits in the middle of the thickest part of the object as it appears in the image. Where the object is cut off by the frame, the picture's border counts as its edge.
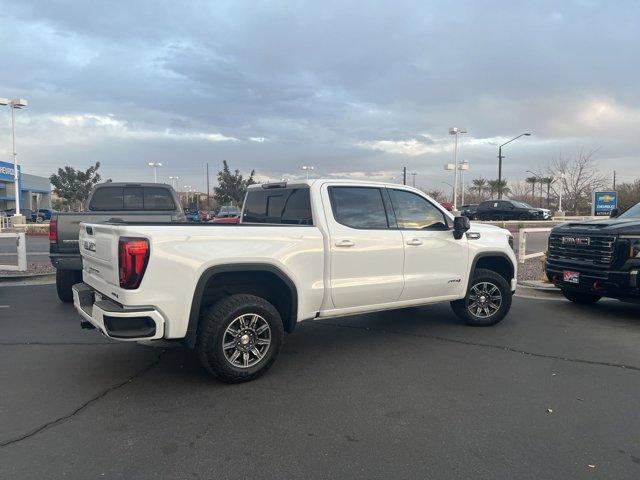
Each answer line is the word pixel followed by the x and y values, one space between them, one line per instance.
pixel 282 205
pixel 132 197
pixel 158 199
pixel 359 207
pixel 417 213
pixel 106 198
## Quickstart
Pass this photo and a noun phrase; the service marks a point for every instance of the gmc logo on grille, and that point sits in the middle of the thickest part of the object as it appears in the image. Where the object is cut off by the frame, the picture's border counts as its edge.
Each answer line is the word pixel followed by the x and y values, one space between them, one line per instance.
pixel 580 241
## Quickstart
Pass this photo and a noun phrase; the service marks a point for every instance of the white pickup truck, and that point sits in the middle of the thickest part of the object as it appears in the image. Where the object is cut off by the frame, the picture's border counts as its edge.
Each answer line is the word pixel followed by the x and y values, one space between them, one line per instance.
pixel 315 249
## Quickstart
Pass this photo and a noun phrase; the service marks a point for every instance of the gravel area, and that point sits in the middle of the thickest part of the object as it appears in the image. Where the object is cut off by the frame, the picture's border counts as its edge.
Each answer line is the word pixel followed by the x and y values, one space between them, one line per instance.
pixel 532 269
pixel 32 269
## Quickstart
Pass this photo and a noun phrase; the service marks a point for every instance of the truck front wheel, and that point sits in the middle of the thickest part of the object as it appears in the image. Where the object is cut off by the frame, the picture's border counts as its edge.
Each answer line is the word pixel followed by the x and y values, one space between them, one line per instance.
pixel 239 338
pixel 578 297
pixel 65 279
pixel 487 302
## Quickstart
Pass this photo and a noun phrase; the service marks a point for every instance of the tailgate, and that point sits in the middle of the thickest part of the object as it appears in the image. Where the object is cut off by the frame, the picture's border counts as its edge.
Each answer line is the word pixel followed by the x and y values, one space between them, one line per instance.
pixel 99 249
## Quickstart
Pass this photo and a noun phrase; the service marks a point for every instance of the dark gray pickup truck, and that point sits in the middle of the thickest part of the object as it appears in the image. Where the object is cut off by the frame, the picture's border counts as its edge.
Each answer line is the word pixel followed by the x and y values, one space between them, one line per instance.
pixel 113 202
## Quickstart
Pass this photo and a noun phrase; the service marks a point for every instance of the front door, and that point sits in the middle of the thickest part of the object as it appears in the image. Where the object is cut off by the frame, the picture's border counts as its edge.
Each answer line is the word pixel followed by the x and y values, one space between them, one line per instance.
pixel 366 249
pixel 435 263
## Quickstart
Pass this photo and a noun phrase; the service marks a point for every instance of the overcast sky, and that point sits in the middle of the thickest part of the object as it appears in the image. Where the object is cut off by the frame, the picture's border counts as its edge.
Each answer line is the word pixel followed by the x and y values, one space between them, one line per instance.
pixel 353 88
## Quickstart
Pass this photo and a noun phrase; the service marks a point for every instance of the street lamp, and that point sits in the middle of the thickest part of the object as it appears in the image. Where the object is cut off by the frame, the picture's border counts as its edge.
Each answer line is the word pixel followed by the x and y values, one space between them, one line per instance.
pixel 155 166
pixel 500 161
pixel 307 169
pixel 173 181
pixel 455 131
pixel 462 167
pixel 13 104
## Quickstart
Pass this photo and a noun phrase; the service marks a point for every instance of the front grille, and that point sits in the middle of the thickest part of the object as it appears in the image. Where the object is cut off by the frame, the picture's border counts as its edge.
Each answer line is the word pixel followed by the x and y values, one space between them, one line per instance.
pixel 598 251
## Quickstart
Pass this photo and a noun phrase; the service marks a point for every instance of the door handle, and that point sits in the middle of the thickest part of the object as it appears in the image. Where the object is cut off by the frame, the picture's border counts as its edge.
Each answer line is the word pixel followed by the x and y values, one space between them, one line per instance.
pixel 345 243
pixel 415 242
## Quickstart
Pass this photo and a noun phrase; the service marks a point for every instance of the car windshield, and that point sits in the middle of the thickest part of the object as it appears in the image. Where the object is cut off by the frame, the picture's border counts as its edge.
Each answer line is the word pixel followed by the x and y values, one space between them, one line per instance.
pixel 633 212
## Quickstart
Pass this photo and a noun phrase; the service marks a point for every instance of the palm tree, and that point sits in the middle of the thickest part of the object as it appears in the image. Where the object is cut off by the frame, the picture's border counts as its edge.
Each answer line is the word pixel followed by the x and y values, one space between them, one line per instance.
pixel 532 181
pixel 479 187
pixel 499 187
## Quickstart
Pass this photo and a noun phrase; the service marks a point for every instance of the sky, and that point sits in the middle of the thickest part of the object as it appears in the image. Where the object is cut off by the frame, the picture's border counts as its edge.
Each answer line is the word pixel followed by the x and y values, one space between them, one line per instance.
pixel 355 89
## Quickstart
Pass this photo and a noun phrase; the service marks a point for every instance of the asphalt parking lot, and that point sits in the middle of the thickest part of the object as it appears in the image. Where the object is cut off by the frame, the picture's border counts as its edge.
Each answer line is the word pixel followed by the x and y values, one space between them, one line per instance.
pixel 551 392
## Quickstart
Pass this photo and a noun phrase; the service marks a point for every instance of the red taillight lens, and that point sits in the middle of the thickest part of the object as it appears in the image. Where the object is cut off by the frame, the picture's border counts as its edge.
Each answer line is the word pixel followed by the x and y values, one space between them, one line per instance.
pixel 133 255
pixel 53 230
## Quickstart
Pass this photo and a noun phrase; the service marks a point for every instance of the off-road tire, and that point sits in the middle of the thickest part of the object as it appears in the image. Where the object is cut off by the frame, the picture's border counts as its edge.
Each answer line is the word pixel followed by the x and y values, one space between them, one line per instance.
pixel 65 279
pixel 461 307
pixel 579 297
pixel 213 324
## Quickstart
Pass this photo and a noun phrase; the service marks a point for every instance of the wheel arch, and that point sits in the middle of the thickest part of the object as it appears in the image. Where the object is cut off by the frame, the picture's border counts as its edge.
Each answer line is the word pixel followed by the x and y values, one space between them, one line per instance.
pixel 289 313
pixel 498 262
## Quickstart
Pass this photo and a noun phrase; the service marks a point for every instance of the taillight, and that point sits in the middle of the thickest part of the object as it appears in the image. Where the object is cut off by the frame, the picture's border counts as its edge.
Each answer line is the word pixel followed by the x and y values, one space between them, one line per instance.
pixel 133 255
pixel 53 230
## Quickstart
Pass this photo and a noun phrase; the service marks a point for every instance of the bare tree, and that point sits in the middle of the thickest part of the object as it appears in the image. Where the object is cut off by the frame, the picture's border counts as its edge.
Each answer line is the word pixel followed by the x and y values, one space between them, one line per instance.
pixel 578 177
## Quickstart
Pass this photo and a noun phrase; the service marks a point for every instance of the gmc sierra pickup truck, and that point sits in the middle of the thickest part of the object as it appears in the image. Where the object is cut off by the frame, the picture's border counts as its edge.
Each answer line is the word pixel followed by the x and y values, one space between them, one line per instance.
pixel 321 248
pixel 598 258
pixel 107 201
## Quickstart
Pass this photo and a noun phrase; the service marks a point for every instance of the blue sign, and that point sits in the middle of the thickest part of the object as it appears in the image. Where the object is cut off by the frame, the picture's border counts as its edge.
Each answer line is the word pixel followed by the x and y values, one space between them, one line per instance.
pixel 603 203
pixel 6 171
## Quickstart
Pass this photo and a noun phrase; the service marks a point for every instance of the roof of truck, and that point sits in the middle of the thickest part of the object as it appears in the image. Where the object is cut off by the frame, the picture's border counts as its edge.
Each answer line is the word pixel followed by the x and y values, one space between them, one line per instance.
pixel 307 183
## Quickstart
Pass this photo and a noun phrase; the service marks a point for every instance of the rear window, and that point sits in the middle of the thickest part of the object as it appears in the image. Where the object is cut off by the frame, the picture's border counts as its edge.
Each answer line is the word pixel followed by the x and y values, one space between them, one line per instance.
pixel 291 206
pixel 132 198
pixel 359 207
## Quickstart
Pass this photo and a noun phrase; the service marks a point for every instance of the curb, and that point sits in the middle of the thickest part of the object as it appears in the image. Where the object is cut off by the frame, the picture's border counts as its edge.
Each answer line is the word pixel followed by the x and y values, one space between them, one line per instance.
pixel 19 278
pixel 539 286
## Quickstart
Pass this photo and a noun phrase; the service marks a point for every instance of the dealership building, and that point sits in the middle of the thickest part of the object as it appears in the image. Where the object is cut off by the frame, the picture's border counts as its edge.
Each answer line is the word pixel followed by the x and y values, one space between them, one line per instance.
pixel 35 191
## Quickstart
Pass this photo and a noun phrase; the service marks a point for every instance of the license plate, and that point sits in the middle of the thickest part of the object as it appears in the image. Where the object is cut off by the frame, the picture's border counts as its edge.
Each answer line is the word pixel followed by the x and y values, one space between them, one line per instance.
pixel 571 277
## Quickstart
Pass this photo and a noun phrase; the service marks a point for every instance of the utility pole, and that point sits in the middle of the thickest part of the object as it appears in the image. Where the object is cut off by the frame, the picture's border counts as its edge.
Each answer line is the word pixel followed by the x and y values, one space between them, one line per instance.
pixel 404 175
pixel 614 180
pixel 208 201
pixel 500 157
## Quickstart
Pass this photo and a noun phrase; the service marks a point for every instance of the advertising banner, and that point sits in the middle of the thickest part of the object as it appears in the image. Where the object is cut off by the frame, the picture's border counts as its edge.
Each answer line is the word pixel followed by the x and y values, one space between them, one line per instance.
pixel 603 203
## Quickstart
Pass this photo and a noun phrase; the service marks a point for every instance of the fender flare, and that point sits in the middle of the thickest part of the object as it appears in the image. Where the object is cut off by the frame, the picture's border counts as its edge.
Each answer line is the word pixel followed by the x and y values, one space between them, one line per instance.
pixel 491 254
pixel 196 302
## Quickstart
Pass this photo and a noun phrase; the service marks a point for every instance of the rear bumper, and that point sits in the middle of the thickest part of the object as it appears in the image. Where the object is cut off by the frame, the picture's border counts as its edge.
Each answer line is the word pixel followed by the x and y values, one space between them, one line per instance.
pixel 114 320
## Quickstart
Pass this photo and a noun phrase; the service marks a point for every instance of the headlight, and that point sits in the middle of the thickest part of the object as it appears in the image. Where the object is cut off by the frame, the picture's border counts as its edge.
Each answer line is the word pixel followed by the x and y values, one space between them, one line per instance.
pixel 634 247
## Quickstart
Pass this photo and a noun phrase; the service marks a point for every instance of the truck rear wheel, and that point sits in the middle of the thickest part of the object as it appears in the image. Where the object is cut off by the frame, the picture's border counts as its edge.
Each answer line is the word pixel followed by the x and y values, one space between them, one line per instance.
pixel 487 302
pixel 239 338
pixel 579 297
pixel 65 279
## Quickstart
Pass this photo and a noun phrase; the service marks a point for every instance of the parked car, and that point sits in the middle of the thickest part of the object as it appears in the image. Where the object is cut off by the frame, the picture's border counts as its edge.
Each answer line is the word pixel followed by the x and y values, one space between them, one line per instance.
pixel 592 259
pixel 227 214
pixel 314 249
pixel 509 210
pixel 46 213
pixel 192 215
pixel 469 210
pixel 117 202
pixel 31 216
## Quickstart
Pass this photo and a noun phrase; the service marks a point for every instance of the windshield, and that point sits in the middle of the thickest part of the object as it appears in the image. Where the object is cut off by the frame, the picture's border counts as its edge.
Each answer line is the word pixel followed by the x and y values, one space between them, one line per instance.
pixel 633 212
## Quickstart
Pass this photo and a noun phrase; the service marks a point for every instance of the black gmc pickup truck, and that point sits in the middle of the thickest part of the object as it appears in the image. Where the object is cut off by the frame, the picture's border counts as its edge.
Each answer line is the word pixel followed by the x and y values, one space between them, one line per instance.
pixel 598 258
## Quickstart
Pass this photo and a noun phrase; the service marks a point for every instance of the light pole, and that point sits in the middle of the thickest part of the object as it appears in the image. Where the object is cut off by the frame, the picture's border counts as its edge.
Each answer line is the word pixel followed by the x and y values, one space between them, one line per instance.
pixel 455 131
pixel 307 169
pixel 463 166
pixel 155 166
pixel 173 181
pixel 560 212
pixel 500 161
pixel 413 174
pixel 13 104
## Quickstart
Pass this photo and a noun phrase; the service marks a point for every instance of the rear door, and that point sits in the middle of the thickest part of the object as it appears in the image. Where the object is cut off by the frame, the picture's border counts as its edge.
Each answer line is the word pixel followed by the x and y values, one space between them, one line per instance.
pixel 366 249
pixel 435 263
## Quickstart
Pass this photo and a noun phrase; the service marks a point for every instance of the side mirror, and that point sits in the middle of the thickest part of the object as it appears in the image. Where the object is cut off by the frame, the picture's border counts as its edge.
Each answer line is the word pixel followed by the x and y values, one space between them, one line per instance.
pixel 460 226
pixel 614 213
